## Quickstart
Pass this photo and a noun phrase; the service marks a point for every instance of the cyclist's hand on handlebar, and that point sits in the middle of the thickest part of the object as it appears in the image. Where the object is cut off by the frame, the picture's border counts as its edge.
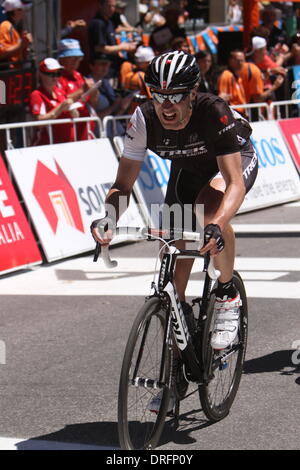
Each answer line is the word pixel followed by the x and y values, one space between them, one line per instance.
pixel 103 230
pixel 213 240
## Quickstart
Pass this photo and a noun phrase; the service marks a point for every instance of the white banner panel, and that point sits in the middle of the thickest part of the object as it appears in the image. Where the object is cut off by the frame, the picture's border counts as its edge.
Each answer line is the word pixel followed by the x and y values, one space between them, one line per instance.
pixel 64 188
pixel 277 181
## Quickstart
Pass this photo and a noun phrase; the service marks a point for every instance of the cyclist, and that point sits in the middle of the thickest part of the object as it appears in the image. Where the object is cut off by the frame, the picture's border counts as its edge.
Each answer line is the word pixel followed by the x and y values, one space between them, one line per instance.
pixel 212 163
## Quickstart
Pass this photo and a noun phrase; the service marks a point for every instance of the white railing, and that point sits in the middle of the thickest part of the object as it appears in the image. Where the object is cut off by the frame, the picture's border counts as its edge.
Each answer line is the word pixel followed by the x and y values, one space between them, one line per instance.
pixel 264 111
pixel 275 111
pixel 53 122
pixel 258 107
pixel 113 120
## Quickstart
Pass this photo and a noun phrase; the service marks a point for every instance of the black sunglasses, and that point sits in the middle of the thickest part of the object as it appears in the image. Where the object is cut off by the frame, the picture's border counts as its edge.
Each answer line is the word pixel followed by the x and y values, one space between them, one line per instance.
pixel 174 98
pixel 52 74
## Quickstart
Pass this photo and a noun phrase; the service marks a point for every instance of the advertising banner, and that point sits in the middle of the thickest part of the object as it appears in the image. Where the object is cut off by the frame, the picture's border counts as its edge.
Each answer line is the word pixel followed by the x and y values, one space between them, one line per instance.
pixel 277 181
pixel 64 188
pixel 291 131
pixel 18 248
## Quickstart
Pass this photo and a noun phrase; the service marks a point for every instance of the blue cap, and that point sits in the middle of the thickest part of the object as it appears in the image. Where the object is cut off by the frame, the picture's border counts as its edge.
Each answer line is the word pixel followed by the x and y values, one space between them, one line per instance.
pixel 69 48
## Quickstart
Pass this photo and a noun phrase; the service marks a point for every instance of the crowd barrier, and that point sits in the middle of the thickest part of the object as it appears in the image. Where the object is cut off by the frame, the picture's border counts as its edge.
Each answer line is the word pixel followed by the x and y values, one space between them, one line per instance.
pixel 63 188
pixel 23 126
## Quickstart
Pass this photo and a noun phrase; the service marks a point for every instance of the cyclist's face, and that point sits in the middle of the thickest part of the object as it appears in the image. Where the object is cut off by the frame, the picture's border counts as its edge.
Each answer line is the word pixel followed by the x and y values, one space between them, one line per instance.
pixel 174 113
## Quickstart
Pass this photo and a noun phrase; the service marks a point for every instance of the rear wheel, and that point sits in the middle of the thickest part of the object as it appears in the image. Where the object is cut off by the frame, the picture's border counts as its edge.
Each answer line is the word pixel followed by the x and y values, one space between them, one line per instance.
pixel 140 428
pixel 223 368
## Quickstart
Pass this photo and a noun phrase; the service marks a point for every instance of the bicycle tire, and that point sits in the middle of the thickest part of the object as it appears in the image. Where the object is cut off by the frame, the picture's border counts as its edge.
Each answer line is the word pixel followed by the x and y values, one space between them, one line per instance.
pixel 138 427
pixel 215 396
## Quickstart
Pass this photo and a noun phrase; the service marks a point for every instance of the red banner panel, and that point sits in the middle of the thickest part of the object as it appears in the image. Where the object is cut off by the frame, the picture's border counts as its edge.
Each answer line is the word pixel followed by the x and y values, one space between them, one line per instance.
pixel 291 131
pixel 18 247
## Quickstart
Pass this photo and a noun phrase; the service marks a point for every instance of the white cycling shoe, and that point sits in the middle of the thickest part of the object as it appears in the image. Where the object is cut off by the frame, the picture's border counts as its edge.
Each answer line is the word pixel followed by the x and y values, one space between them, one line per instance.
pixel 227 316
pixel 155 402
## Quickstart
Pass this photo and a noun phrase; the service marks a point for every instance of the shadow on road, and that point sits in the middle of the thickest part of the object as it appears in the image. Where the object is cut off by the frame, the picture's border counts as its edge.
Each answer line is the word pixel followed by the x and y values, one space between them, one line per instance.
pixel 287 362
pixel 103 435
pixel 178 432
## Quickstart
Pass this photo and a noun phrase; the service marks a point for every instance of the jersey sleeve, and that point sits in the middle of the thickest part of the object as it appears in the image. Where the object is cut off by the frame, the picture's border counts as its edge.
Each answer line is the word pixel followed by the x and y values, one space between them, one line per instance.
pixel 221 129
pixel 135 140
pixel 37 105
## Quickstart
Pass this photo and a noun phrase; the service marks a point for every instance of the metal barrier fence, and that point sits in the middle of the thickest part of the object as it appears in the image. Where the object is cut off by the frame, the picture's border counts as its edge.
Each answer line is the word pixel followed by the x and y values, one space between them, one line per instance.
pixel 108 126
pixel 255 111
pixel 53 122
pixel 285 109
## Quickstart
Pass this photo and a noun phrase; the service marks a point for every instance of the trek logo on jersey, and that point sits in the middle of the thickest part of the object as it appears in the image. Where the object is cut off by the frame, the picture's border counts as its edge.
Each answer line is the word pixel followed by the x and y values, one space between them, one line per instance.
pixel 56 197
pixel 227 128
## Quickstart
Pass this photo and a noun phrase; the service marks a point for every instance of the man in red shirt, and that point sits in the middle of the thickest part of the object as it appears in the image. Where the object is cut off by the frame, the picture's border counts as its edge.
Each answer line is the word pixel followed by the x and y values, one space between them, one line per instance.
pixel 74 85
pixel 50 102
pixel 260 57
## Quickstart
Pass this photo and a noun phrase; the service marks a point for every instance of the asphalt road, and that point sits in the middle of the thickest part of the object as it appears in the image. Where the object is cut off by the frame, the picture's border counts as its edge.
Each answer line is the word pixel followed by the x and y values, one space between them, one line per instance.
pixel 63 351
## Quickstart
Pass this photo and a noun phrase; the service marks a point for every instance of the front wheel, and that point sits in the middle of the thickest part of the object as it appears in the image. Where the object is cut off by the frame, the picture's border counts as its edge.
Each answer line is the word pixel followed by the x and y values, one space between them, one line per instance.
pixel 224 368
pixel 146 372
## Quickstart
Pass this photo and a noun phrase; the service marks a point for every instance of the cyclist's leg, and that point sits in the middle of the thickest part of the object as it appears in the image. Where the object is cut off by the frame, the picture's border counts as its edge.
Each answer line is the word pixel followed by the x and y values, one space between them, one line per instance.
pixel 211 197
pixel 183 188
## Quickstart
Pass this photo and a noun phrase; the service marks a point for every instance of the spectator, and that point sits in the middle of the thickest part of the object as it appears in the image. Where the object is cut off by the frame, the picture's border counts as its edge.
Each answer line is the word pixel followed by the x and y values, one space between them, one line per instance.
pixel 72 25
pixel 73 84
pixel 161 37
pixel 230 85
pixel 253 84
pixel 264 62
pixel 134 79
pixel 101 35
pixel 108 103
pixel 153 17
pixel 276 35
pixel 49 102
pixel 180 44
pixel 295 51
pixel 14 41
pixel 207 83
pixel 234 12
pixel 119 19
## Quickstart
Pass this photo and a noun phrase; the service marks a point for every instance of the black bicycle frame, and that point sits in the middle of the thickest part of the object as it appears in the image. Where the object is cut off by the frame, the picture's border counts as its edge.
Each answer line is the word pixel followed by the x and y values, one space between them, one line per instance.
pixel 166 290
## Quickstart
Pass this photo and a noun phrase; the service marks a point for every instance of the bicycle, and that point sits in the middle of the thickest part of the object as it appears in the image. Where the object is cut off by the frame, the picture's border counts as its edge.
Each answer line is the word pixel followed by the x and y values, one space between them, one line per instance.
pixel 158 332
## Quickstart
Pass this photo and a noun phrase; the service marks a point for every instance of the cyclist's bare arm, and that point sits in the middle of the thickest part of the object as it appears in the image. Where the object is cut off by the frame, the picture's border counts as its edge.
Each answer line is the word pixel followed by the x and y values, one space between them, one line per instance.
pixel 128 172
pixel 234 190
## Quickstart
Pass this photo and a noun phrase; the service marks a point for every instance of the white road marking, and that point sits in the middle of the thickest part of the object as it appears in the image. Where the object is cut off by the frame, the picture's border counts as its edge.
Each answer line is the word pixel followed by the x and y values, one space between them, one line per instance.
pixel 266 228
pixel 32 444
pixel 264 278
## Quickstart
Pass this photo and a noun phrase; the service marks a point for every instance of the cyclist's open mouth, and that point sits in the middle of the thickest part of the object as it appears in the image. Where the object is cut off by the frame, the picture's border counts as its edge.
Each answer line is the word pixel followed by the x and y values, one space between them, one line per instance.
pixel 169 116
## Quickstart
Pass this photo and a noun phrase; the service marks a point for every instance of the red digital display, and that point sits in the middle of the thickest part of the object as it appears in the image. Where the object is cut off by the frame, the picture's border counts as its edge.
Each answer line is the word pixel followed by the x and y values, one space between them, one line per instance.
pixel 19 85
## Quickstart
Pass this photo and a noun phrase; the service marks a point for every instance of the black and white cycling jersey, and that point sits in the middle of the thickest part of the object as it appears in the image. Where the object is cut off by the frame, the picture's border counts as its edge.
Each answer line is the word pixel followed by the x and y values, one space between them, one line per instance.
pixel 213 130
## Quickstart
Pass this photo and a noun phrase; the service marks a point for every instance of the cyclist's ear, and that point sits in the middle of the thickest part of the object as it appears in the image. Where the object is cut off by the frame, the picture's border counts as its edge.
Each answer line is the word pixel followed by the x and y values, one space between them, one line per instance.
pixel 194 92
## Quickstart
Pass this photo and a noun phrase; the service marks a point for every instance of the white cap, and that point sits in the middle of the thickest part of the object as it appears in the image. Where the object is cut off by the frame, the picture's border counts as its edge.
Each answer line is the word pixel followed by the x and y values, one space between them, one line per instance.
pixel 144 54
pixel 10 5
pixel 258 43
pixel 49 65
